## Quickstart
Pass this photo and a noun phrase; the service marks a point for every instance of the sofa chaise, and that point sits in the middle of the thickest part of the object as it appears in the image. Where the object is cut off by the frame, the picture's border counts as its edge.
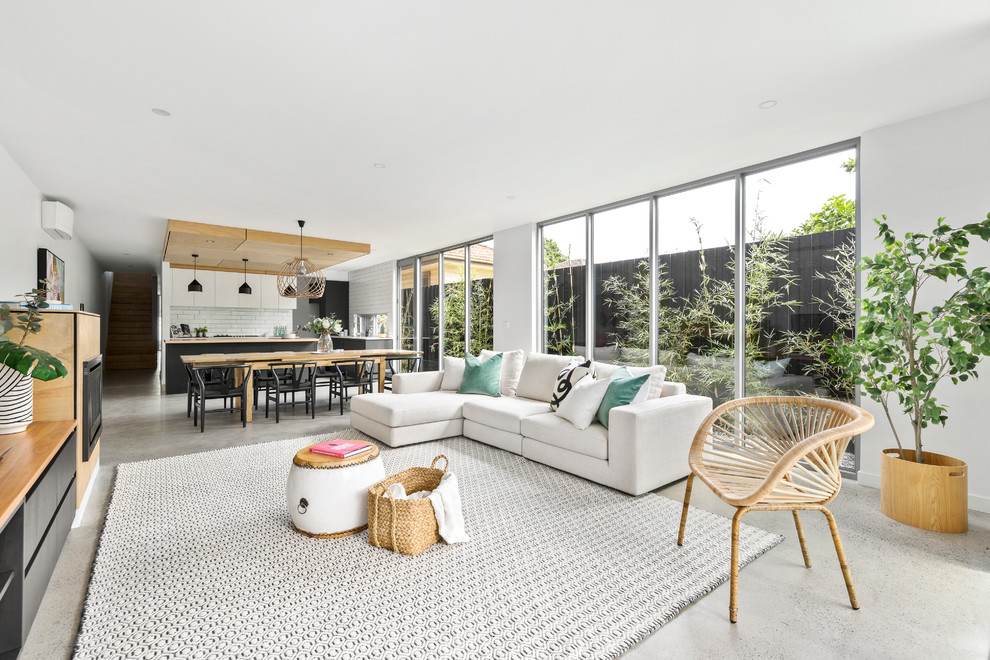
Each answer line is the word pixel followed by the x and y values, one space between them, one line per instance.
pixel 644 447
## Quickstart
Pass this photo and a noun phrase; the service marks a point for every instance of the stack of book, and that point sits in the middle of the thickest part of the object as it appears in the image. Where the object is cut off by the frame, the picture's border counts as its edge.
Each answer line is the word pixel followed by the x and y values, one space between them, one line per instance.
pixel 341 448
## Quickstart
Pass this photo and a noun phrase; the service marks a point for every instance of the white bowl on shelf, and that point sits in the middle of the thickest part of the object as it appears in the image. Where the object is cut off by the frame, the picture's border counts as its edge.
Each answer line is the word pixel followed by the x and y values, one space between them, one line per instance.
pixel 290 335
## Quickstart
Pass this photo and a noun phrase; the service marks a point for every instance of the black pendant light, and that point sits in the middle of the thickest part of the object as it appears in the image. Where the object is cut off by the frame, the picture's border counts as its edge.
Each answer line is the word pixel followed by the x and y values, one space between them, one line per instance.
pixel 195 285
pixel 245 288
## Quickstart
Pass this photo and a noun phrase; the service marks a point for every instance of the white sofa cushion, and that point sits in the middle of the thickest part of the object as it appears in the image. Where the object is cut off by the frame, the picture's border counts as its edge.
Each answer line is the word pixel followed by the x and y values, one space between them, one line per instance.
pixel 581 405
pixel 539 375
pixel 504 413
pixel 557 431
pixel 657 373
pixel 407 409
pixel 453 373
pixel 512 366
pixel 567 378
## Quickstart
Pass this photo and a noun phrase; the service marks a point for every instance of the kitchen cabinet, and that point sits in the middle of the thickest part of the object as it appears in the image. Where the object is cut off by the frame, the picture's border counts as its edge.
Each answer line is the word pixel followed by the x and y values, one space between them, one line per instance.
pixel 183 297
pixel 269 294
pixel 227 295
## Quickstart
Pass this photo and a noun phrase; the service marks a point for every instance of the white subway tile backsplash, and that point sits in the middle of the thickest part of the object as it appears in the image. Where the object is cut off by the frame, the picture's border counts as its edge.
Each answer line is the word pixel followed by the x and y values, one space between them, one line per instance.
pixel 232 321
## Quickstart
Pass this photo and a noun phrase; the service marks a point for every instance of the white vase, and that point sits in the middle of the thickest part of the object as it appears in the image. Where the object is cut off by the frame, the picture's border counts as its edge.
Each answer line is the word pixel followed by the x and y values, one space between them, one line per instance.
pixel 16 400
pixel 324 344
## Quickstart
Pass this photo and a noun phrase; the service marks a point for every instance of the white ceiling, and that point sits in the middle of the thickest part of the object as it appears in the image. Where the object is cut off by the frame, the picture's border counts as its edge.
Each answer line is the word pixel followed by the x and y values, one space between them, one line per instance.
pixel 280 109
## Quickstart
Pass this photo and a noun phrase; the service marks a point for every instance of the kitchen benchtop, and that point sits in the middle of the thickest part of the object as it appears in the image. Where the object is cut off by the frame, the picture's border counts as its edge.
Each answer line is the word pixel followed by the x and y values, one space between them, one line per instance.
pixel 235 340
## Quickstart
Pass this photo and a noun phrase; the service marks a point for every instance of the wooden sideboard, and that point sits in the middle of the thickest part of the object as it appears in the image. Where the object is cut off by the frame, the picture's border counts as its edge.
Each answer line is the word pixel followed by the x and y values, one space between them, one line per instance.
pixel 37 505
pixel 73 337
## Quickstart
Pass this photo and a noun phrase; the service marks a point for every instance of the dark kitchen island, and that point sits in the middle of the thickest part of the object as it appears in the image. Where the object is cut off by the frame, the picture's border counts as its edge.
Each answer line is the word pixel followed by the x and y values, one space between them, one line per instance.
pixel 175 372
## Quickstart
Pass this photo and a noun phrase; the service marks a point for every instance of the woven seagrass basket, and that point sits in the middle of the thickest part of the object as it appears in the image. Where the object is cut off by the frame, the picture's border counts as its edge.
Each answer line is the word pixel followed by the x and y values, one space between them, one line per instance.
pixel 406 526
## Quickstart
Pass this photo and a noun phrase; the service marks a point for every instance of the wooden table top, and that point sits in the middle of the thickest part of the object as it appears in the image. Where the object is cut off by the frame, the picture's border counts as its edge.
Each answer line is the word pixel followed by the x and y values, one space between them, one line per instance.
pixel 302 356
pixel 30 453
pixel 306 459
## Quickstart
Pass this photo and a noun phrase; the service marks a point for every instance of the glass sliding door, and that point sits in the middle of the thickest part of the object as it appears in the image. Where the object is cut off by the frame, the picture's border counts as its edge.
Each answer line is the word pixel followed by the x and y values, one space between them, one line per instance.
pixel 482 273
pixel 622 284
pixel 429 296
pixel 800 277
pixel 696 289
pixel 407 305
pixel 565 258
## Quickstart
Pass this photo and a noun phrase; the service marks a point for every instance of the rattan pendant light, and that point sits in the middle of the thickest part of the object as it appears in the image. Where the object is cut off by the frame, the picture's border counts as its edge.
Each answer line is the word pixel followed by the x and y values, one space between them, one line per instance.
pixel 195 285
pixel 245 288
pixel 300 278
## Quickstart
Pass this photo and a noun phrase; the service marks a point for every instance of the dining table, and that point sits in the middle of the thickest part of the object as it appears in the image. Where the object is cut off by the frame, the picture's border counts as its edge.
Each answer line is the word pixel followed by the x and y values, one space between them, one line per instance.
pixel 263 360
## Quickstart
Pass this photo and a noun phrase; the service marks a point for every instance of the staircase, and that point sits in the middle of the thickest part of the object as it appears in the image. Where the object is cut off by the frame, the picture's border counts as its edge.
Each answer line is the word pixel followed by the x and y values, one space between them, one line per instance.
pixel 131 329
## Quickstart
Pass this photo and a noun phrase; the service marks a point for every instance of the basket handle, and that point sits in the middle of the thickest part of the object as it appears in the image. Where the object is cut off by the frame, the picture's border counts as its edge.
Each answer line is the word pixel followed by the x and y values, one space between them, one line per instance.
pixel 391 500
pixel 378 533
pixel 446 462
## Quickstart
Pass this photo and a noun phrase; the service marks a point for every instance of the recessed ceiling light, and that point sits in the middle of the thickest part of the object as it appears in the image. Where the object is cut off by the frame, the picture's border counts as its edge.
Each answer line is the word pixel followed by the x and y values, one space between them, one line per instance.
pixel 380 166
pixel 209 240
pixel 329 254
pixel 161 113
pixel 510 196
pixel 766 105
pixel 126 254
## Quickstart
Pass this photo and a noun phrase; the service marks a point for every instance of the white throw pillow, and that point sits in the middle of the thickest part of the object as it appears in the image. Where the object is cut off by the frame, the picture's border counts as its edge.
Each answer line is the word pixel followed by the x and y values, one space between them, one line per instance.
pixel 539 374
pixel 658 375
pixel 512 366
pixel 567 378
pixel 581 405
pixel 453 373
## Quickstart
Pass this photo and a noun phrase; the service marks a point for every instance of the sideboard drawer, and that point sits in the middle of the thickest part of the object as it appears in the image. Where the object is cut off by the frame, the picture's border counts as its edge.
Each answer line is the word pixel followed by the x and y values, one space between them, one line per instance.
pixel 43 499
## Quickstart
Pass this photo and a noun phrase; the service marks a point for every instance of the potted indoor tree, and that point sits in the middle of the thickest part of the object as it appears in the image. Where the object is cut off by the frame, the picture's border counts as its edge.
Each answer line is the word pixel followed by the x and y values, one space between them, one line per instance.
pixel 21 364
pixel 903 351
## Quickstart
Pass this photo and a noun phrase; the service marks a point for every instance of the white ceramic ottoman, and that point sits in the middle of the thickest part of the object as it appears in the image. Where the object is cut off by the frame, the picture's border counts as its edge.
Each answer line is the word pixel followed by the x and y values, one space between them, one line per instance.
pixel 328 497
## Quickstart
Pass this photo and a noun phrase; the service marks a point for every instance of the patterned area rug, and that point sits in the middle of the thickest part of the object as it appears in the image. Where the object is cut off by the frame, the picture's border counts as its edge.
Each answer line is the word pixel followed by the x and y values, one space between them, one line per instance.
pixel 198 559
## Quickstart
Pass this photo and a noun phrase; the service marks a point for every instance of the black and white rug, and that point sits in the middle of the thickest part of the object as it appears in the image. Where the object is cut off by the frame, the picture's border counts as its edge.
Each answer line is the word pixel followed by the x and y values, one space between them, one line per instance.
pixel 198 560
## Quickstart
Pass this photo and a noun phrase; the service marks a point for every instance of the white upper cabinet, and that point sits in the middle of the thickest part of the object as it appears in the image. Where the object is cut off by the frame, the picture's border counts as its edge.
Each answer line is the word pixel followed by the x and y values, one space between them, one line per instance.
pixel 250 300
pixel 183 297
pixel 269 294
pixel 226 284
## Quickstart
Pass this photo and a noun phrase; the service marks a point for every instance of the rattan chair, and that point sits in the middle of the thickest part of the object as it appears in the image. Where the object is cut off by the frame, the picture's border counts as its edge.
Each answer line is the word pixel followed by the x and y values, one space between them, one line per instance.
pixel 773 453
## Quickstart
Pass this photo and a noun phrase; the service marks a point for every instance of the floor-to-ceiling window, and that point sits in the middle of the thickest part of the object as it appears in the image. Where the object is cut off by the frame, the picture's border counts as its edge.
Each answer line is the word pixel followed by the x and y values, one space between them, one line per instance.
pixel 565 258
pixel 800 277
pixel 794 221
pixel 447 310
pixel 696 288
pixel 621 254
pixel 407 305
pixel 482 309
pixel 429 296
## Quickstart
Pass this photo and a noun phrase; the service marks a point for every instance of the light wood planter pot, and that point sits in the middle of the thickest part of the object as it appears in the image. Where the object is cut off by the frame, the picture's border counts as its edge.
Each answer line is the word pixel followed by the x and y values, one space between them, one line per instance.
pixel 932 495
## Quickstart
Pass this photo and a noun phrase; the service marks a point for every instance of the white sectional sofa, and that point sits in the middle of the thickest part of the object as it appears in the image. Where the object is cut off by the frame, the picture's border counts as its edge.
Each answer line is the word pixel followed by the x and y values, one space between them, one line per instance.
pixel 645 446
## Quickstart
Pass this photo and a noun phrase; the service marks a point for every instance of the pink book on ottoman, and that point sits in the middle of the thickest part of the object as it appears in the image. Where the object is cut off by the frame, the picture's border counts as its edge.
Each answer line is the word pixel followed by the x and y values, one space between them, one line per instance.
pixel 341 448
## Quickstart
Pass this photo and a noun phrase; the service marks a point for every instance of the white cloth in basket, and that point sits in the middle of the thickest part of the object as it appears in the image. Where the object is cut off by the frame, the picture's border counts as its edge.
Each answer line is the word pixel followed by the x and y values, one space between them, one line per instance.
pixel 446 501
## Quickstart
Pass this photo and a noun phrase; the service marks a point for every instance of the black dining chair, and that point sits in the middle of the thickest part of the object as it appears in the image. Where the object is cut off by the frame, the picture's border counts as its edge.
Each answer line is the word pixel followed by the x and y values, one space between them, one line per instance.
pixel 289 378
pixel 358 373
pixel 397 365
pixel 226 382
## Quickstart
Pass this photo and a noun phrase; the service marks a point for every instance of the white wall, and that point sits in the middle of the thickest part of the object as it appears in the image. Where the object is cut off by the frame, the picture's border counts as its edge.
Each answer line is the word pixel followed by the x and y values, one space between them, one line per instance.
pixel 20 222
pixel 372 291
pixel 916 172
pixel 516 309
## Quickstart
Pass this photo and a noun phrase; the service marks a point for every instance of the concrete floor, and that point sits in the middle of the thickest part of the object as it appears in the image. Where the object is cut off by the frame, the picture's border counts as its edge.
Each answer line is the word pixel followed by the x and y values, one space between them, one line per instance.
pixel 922 594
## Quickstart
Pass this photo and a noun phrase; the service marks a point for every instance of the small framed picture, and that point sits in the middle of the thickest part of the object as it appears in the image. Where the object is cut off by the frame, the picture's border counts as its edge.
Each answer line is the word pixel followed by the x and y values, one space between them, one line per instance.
pixel 51 271
pixel 175 330
pixel 186 332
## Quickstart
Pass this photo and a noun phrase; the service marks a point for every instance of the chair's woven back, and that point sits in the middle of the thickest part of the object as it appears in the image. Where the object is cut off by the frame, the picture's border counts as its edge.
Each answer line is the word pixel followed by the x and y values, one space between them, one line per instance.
pixel 776 449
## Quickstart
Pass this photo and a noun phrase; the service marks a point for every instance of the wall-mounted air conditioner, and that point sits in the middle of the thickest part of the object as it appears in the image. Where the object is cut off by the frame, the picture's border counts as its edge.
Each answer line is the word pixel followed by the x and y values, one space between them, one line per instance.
pixel 56 219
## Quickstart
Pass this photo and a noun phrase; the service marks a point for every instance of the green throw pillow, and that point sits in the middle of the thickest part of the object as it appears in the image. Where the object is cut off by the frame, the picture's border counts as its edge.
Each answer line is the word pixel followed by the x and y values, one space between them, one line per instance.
pixel 622 389
pixel 481 377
